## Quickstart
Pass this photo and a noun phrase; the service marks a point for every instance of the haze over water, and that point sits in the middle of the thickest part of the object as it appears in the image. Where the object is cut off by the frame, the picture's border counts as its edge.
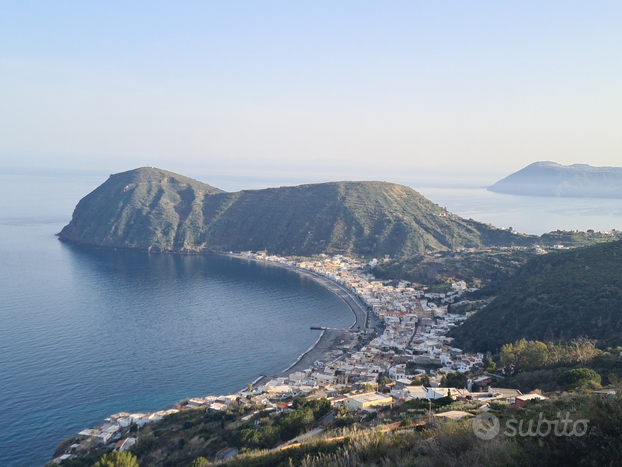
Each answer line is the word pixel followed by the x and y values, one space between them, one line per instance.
pixel 85 333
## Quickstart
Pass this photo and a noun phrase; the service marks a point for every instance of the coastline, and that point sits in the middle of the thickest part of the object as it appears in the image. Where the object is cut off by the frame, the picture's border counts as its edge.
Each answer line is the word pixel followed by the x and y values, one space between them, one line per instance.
pixel 356 306
pixel 330 340
pixel 327 347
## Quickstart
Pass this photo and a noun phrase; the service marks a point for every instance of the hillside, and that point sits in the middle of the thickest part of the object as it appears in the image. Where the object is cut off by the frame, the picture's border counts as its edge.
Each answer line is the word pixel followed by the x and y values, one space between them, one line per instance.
pixel 557 296
pixel 477 268
pixel 403 435
pixel 552 179
pixel 151 209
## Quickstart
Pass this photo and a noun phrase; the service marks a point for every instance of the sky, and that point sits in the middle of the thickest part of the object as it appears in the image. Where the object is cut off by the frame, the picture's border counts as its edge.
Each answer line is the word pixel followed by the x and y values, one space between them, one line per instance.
pixel 310 90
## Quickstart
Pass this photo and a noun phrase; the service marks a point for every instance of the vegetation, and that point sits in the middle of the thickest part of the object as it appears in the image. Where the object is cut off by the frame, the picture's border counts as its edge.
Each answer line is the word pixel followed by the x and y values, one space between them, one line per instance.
pixel 555 297
pixel 192 438
pixel 454 380
pixel 476 268
pixel 489 268
pixel 454 443
pixel 558 367
pixel 151 209
pixel 117 459
pixel 285 427
pixel 534 355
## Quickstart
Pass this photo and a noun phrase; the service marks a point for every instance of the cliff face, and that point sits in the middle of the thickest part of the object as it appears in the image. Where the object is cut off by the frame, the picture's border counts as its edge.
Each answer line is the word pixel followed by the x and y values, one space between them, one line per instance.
pixel 552 179
pixel 152 209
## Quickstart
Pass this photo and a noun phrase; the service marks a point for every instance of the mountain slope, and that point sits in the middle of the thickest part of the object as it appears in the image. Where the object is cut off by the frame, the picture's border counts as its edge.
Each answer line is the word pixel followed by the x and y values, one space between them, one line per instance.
pixel 557 296
pixel 151 209
pixel 141 208
pixel 552 179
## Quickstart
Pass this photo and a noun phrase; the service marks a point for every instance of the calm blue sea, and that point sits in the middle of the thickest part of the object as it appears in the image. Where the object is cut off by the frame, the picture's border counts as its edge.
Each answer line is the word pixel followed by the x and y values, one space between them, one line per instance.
pixel 85 333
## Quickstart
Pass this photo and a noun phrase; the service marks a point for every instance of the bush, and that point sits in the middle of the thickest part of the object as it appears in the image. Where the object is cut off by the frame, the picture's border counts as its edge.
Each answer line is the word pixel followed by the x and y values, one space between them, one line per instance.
pixel 579 378
pixel 117 459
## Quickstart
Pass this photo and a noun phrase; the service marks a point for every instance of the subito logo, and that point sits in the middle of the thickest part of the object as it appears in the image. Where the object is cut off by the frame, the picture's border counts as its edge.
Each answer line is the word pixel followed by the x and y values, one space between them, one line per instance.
pixel 486 426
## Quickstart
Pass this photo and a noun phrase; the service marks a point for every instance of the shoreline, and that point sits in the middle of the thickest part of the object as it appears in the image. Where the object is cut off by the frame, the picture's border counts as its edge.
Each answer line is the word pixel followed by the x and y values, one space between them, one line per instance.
pixel 353 302
pixel 330 340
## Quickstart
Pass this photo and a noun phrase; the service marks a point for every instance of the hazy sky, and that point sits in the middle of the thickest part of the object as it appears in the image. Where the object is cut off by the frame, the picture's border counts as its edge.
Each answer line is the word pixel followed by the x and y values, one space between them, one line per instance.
pixel 365 90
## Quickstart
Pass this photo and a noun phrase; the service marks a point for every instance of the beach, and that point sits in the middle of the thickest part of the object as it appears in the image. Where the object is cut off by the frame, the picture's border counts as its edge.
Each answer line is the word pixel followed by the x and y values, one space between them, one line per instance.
pixel 331 340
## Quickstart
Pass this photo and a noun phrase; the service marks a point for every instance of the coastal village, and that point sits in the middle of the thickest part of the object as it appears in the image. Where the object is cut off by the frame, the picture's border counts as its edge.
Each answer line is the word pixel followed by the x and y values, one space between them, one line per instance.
pixel 399 353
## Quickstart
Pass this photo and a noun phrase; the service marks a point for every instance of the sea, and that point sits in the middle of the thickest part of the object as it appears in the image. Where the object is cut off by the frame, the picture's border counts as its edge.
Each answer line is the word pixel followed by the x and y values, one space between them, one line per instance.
pixel 87 332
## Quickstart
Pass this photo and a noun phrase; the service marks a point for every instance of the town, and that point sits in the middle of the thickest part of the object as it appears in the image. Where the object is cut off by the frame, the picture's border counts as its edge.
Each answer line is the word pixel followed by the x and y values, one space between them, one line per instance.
pixel 400 353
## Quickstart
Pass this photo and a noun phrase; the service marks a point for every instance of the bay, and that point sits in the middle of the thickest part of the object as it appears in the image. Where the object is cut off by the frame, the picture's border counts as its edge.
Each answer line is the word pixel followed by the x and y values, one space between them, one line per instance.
pixel 86 332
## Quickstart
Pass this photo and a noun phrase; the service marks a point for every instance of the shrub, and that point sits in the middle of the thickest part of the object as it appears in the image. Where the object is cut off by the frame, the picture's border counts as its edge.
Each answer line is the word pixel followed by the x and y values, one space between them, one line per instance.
pixel 579 378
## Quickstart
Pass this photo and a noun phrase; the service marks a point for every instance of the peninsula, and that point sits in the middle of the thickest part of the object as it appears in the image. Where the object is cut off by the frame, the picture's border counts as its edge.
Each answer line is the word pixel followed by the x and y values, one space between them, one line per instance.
pixel 156 210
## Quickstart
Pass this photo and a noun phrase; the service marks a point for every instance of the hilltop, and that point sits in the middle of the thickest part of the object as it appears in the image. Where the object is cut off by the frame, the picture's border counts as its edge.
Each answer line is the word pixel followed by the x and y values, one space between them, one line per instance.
pixel 554 297
pixel 155 210
pixel 552 179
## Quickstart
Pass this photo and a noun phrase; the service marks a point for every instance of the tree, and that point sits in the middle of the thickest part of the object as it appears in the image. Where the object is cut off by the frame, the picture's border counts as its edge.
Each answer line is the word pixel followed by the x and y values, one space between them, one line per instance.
pixel 489 365
pixel 423 380
pixel 583 349
pixel 320 407
pixel 454 380
pixel 524 356
pixel 579 377
pixel 383 380
pixel 199 462
pixel 291 424
pixel 367 387
pixel 117 459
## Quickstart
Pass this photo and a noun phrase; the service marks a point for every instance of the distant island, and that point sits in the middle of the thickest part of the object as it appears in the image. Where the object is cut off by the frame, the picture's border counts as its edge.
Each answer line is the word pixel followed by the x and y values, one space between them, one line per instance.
pixel 156 210
pixel 573 181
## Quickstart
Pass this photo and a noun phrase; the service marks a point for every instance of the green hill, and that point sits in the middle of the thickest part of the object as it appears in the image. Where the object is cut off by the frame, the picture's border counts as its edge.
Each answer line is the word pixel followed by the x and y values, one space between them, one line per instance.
pixel 152 209
pixel 557 296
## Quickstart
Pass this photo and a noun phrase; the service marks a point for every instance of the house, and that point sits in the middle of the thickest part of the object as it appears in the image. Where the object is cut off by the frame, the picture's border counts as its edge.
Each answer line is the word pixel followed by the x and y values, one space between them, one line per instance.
pixel 410 393
pixel 323 379
pixel 397 372
pixel 402 383
pixel 296 377
pixel 218 407
pixel 124 444
pixel 504 394
pixel 439 393
pixel 122 419
pixel 195 403
pixel 521 400
pixel 337 400
pixel 364 401
pixel 143 419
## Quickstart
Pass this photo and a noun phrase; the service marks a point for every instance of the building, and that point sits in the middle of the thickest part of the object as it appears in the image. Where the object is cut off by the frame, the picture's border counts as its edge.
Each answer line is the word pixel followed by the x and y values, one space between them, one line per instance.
pixel 364 401
pixel 521 400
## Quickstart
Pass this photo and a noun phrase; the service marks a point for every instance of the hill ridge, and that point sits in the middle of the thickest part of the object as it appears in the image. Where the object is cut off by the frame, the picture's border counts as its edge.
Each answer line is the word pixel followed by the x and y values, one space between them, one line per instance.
pixel 156 210
pixel 558 296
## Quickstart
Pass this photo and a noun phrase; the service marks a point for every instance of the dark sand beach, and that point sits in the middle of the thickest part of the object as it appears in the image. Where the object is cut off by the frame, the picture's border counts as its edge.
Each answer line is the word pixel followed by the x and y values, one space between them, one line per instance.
pixel 330 340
